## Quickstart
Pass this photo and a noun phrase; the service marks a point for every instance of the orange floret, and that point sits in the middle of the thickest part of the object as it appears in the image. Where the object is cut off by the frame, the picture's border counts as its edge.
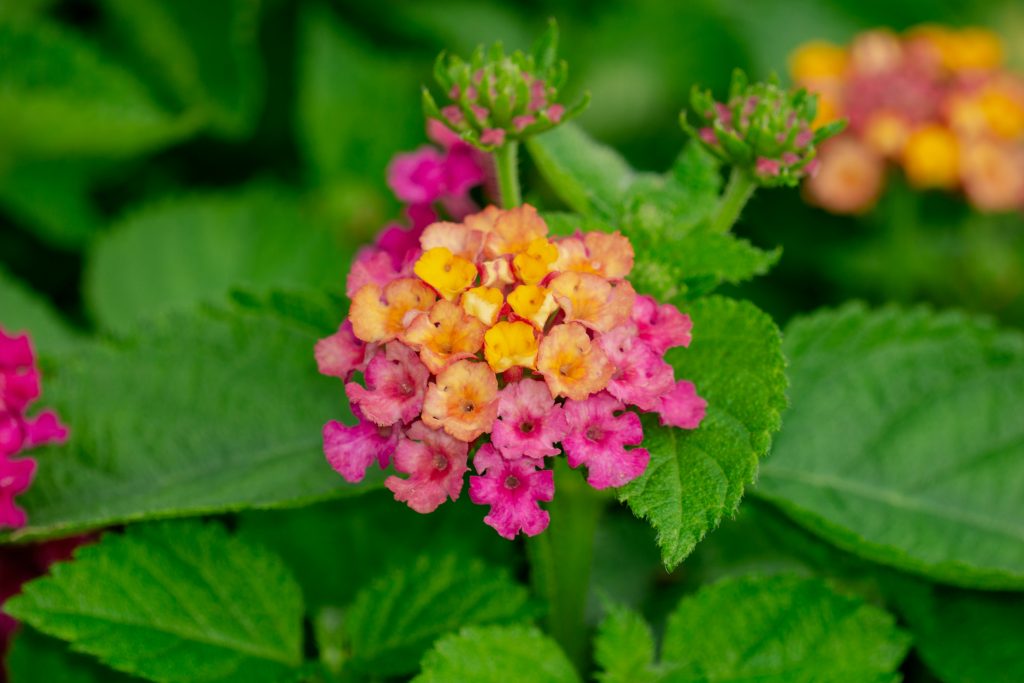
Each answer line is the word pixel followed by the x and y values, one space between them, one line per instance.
pixel 817 61
pixel 611 254
pixel 510 344
pixel 533 264
pixel 380 315
pixel 572 256
pixel 483 221
pixel 447 273
pixel 483 303
pixel 513 231
pixel 593 301
pixel 571 364
pixel 533 303
pixel 455 237
pixel 497 273
pixel 463 401
pixel 931 158
pixel 444 335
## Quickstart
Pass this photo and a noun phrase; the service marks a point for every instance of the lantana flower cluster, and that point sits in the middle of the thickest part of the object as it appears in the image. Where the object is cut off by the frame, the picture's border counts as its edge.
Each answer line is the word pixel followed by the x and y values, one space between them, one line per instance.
pixel 938 103
pixel 761 128
pixel 503 348
pixel 19 388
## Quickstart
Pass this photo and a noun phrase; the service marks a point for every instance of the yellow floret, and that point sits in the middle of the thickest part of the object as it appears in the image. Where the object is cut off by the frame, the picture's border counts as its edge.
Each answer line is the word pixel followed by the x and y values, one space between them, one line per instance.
pixel 507 345
pixel 445 272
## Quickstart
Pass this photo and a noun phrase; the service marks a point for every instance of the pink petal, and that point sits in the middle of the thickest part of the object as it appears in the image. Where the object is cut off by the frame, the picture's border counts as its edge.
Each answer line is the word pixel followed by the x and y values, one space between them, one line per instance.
pixel 641 376
pixel 12 434
pixel 15 352
pixel 682 407
pixel 352 450
pixel 417 177
pixel 436 463
pixel 597 438
pixel 43 429
pixel 661 327
pixel 512 488
pixel 530 422
pixel 396 382
pixel 15 477
pixel 341 354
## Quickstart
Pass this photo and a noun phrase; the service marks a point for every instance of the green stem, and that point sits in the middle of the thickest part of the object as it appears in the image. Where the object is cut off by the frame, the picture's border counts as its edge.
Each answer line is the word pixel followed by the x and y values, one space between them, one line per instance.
pixel 737 193
pixel 506 163
pixel 561 557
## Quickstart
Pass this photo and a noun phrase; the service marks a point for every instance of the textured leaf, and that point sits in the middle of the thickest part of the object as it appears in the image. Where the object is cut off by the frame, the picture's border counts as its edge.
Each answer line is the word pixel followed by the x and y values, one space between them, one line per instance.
pixel 25 311
pixel 588 176
pixel 346 90
pixel 173 601
pixel 323 544
pixel 35 658
pixel 216 410
pixel 205 55
pixel 697 477
pixel 176 253
pixel 780 629
pixel 497 654
pixel 624 648
pixel 61 97
pixel 965 636
pixel 904 442
pixel 395 619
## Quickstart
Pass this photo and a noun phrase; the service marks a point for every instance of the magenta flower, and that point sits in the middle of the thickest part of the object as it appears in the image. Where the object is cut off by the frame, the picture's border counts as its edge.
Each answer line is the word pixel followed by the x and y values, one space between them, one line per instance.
pixel 661 327
pixel 418 177
pixel 436 465
pixel 529 422
pixel 341 354
pixel 15 477
pixel 682 407
pixel 396 382
pixel 598 438
pixel 641 376
pixel 351 450
pixel 512 488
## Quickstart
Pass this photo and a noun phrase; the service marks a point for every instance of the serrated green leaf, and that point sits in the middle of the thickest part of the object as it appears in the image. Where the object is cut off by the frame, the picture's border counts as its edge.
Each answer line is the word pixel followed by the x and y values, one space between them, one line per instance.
pixel 624 648
pixel 25 311
pixel 173 602
pixel 780 629
pixel 220 409
pixel 61 97
pixel 176 253
pixel 696 477
pixel 497 654
pixel 395 619
pixel 588 176
pixel 903 442
pixel 35 658
pixel 205 56
pixel 964 636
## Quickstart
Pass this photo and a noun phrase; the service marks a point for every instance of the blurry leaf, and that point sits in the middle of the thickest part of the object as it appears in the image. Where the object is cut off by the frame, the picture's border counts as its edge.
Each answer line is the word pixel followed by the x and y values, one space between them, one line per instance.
pixel 25 311
pixel 626 560
pixel 173 601
pixel 697 477
pixel 60 97
pixel 52 198
pixel 325 545
pixel 780 629
pixel 624 648
pixel 395 619
pixel 479 23
pixel 904 441
pixel 35 658
pixel 497 654
pixel 205 54
pixel 964 636
pixel 356 107
pixel 176 253
pixel 588 176
pixel 220 409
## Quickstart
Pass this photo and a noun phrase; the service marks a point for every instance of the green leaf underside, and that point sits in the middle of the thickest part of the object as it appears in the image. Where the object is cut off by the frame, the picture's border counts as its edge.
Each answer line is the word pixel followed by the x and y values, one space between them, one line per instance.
pixel 588 176
pixel 60 96
pixel 624 648
pixel 35 658
pixel 25 311
pixel 965 636
pixel 394 620
pixel 176 253
pixel 903 442
pixel 780 629
pixel 497 654
pixel 173 601
pixel 212 411
pixel 695 478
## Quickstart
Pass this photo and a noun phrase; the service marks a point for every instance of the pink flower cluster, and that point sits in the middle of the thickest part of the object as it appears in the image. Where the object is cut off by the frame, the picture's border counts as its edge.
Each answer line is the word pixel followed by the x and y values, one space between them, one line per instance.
pixel 19 387
pixel 504 345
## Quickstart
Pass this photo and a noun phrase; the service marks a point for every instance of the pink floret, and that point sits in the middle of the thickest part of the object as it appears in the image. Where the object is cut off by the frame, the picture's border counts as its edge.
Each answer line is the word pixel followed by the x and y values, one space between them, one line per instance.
pixel 417 177
pixel 662 326
pixel 15 477
pixel 529 422
pixel 682 407
pixel 341 354
pixel 598 438
pixel 641 376
pixel 352 450
pixel 512 488
pixel 436 465
pixel 396 382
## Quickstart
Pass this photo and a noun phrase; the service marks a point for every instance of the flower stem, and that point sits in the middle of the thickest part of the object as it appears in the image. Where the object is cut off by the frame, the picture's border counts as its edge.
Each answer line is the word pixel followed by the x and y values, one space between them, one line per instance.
pixel 561 557
pixel 738 191
pixel 506 163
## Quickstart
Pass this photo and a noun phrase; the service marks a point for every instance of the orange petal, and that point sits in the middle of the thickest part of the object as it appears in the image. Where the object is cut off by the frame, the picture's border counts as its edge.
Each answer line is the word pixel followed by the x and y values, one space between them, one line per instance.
pixel 380 316
pixel 571 364
pixel 447 273
pixel 611 254
pixel 484 220
pixel 497 273
pixel 510 344
pixel 455 237
pixel 514 230
pixel 444 335
pixel 483 303
pixel 572 256
pixel 463 401
pixel 533 303
pixel 592 300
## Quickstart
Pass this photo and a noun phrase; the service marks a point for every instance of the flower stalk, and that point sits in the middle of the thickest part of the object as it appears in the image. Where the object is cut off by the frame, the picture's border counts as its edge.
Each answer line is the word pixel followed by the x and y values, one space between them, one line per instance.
pixel 506 163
